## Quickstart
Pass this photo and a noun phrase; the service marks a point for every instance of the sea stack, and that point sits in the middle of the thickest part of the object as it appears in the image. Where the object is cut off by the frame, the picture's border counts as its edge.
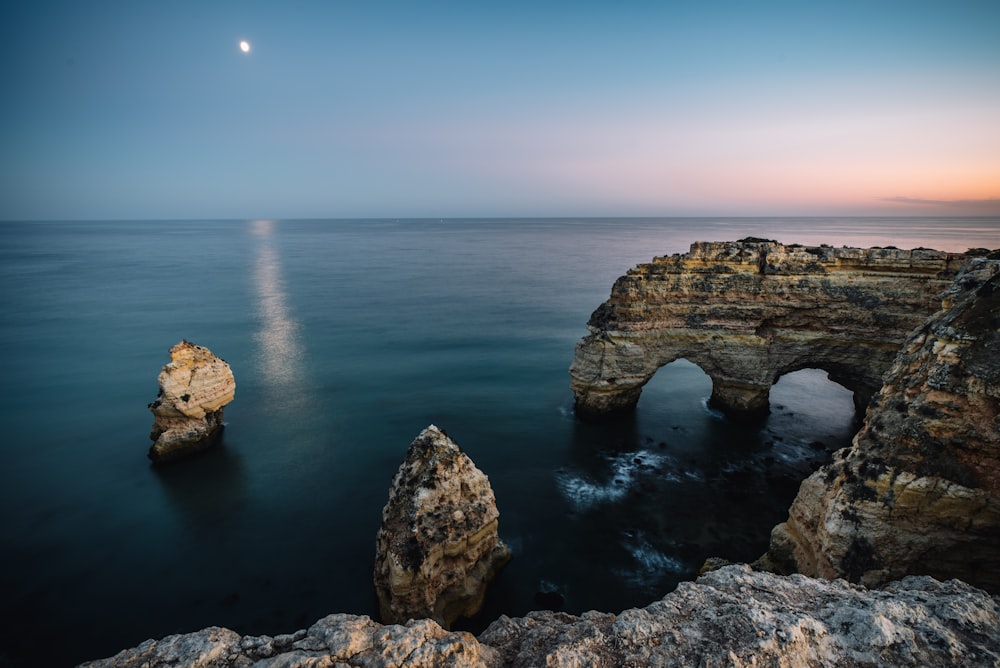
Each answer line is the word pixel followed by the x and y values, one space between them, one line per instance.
pixel 187 413
pixel 438 546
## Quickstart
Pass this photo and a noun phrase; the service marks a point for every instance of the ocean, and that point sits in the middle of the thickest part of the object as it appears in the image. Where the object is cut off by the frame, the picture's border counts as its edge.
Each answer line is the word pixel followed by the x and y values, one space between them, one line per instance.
pixel 347 338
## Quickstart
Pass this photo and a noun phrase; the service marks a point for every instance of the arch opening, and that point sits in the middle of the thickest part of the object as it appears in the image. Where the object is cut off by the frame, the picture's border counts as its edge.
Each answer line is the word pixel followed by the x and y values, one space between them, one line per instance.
pixel 811 415
pixel 675 392
pixel 817 391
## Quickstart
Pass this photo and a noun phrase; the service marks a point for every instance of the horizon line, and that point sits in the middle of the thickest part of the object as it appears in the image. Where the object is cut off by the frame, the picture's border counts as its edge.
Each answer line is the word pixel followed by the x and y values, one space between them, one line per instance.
pixel 101 219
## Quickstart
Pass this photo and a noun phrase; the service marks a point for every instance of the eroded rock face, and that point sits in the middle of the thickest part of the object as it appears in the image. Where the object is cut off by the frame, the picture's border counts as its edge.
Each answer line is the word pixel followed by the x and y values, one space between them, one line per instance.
pixel 729 617
pixel 919 490
pixel 335 640
pixel 747 312
pixel 438 545
pixel 194 387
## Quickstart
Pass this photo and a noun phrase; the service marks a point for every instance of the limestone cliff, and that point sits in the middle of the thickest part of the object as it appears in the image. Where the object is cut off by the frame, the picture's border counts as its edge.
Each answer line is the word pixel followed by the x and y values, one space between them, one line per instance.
pixel 749 311
pixel 194 387
pixel 729 617
pixel 919 490
pixel 438 546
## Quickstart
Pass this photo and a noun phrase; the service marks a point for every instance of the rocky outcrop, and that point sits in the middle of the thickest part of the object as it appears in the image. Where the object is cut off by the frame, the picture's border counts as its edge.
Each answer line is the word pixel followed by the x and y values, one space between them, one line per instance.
pixel 750 311
pixel 194 387
pixel 335 640
pixel 438 546
pixel 919 490
pixel 729 617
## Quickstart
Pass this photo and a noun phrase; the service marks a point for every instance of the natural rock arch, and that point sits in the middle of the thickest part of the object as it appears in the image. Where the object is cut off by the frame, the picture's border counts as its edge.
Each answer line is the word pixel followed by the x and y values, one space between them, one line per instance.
pixel 750 311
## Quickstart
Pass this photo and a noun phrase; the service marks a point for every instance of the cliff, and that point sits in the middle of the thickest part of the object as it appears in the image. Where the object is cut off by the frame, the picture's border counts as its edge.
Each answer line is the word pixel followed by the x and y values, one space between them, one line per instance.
pixel 747 312
pixel 438 546
pixel 187 413
pixel 729 617
pixel 919 490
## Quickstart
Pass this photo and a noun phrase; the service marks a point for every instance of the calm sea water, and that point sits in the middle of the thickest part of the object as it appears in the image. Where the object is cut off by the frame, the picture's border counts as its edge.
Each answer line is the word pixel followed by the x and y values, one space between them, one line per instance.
pixel 347 338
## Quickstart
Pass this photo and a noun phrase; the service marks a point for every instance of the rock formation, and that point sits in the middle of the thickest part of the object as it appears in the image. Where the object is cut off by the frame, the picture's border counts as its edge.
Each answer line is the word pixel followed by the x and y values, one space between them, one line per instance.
pixel 438 545
pixel 729 617
pixel 919 490
pixel 194 387
pixel 748 312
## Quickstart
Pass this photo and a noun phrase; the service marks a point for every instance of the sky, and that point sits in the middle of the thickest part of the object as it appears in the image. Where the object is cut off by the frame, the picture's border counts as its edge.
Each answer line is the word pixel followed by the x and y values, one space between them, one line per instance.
pixel 150 110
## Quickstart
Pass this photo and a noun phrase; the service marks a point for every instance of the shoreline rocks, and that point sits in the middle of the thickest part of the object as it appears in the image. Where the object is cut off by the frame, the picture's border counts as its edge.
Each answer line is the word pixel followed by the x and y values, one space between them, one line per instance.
pixel 733 616
pixel 438 546
pixel 187 413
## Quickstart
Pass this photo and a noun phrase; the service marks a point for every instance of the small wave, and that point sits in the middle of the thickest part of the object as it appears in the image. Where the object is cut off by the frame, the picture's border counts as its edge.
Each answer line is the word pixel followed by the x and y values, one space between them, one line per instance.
pixel 583 493
pixel 650 563
pixel 624 469
pixel 712 412
pixel 514 543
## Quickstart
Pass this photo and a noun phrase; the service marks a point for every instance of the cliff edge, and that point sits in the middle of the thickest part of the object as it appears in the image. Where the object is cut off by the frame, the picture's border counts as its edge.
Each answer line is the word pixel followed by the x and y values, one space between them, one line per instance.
pixel 729 617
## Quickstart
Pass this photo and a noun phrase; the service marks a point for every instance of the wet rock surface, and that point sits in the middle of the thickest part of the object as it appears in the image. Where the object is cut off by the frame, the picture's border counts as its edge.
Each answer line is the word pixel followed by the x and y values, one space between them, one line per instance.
pixel 187 413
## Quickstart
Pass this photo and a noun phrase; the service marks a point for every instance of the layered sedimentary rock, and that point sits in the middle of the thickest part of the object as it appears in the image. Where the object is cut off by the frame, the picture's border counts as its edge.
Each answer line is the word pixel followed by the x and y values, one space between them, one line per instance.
pixel 919 490
pixel 194 387
pixel 748 312
pixel 438 546
pixel 729 617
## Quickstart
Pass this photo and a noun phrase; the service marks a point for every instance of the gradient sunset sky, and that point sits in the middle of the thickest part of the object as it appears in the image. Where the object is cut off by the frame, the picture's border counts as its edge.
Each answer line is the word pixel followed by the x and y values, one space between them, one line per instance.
pixel 450 109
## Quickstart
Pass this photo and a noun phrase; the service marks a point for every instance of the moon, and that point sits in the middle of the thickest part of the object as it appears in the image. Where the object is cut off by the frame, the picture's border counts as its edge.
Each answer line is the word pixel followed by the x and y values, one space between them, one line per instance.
pixel 244 46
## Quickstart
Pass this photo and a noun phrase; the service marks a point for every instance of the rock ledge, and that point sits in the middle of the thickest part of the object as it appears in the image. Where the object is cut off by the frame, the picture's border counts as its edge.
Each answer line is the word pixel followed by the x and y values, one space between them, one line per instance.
pixel 730 617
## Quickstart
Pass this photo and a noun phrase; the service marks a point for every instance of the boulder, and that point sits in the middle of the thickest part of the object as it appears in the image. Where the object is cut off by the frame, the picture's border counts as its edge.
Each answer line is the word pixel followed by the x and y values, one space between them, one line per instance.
pixel 438 546
pixel 187 413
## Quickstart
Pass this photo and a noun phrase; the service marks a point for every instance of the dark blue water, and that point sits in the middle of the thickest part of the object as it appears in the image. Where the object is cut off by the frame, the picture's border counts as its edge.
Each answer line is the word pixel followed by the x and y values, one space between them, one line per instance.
pixel 347 338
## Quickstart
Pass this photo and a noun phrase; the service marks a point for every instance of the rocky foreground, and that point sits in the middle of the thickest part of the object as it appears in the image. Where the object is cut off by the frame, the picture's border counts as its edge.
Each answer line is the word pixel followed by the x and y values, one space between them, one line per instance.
pixel 730 617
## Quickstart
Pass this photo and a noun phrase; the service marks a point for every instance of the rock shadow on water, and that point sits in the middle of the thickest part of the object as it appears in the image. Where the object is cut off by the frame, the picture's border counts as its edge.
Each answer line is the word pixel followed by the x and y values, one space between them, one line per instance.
pixel 206 492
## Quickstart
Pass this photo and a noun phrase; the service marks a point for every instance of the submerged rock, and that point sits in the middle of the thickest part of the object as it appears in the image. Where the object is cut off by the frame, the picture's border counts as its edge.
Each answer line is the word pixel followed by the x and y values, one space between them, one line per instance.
pixel 438 546
pixel 919 490
pixel 194 387
pixel 730 617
